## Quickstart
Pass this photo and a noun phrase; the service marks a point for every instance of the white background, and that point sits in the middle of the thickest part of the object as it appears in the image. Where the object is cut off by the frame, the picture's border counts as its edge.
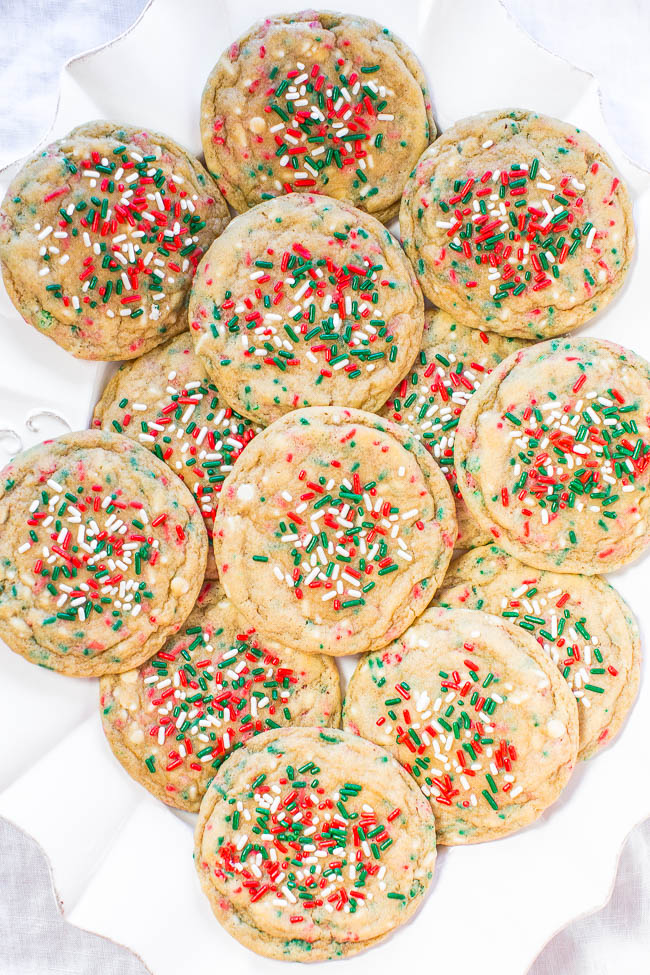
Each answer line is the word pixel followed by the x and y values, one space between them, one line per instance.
pixel 609 39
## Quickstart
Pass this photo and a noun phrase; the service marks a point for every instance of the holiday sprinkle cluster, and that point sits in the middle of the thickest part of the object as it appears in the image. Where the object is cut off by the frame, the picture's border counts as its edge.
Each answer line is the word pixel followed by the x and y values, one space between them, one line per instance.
pixel 584 453
pixel 342 536
pixel 91 546
pixel 208 698
pixel 138 225
pixel 193 433
pixel 303 849
pixel 301 305
pixel 456 756
pixel 321 125
pixel 516 227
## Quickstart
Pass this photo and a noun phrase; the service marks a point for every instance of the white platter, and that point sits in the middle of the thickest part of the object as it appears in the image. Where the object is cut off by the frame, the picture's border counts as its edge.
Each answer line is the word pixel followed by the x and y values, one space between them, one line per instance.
pixel 122 862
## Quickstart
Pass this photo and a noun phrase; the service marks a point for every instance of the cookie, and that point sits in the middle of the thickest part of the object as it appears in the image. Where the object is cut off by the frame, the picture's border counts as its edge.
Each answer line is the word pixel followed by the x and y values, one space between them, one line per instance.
pixel 317 101
pixel 210 689
pixel 313 844
pixel 453 361
pixel 518 223
pixel 100 236
pixel 473 708
pixel 552 455
pixel 305 301
pixel 102 554
pixel 581 623
pixel 334 530
pixel 166 402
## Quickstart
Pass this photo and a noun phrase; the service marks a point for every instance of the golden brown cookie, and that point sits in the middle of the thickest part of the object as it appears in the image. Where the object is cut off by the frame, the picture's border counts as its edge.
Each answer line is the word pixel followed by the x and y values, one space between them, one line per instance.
pixel 305 301
pixel 518 223
pixel 211 688
pixel 452 363
pixel 166 402
pixel 473 708
pixel 333 531
pixel 552 455
pixel 102 554
pixel 320 101
pixel 100 236
pixel 313 844
pixel 581 623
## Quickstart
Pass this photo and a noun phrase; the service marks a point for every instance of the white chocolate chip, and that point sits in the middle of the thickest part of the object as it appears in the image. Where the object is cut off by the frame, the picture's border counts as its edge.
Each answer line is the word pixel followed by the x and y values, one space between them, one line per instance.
pixel 179 586
pixel 135 734
pixel 129 677
pixel 19 625
pixel 257 125
pixel 556 728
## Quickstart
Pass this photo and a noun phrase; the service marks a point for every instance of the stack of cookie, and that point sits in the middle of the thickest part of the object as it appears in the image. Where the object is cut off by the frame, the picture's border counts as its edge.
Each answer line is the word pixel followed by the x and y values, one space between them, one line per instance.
pixel 284 471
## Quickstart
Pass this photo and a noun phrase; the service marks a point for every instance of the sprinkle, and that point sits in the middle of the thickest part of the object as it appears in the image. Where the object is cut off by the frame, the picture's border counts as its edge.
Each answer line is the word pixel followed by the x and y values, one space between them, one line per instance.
pixel 131 225
pixel 289 843
pixel 576 457
pixel 511 233
pixel 431 400
pixel 420 745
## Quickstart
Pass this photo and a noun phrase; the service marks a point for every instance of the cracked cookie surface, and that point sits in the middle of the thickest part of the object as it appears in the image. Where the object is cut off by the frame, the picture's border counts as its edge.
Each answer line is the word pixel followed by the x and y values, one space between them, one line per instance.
pixel 518 223
pixel 316 100
pixel 472 707
pixel 211 688
pixel 102 554
pixel 313 844
pixel 100 236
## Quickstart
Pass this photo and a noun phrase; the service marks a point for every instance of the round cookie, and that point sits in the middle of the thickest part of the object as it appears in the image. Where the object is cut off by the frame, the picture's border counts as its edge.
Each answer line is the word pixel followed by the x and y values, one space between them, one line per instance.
pixel 452 362
pixel 343 854
pixel 102 554
pixel 552 455
pixel 518 223
pixel 100 236
pixel 334 530
pixel 226 687
pixel 582 624
pixel 319 101
pixel 166 402
pixel 305 301
pixel 472 707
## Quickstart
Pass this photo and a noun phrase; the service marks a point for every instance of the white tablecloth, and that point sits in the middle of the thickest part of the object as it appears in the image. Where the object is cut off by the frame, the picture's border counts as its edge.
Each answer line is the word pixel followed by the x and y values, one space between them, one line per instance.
pixel 608 39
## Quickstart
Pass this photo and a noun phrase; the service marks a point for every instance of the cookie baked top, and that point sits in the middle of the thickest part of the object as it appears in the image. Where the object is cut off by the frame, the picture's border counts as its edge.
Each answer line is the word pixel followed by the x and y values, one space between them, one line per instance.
pixel 581 623
pixel 313 845
pixel 518 223
pixel 211 688
pixel 472 707
pixel 305 301
pixel 166 402
pixel 100 236
pixel 553 455
pixel 102 554
pixel 453 362
pixel 319 101
pixel 333 531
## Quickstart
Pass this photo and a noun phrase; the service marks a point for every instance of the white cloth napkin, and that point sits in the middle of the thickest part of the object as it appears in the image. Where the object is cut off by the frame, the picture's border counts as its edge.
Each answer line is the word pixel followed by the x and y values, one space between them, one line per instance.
pixel 34 937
